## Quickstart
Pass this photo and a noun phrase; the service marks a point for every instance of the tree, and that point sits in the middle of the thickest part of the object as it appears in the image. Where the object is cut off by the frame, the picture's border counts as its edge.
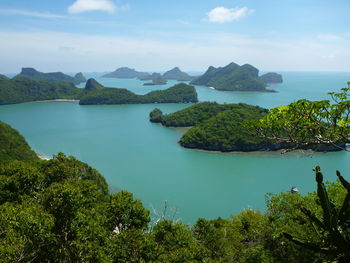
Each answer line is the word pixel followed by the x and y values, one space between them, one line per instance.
pixel 334 227
pixel 307 123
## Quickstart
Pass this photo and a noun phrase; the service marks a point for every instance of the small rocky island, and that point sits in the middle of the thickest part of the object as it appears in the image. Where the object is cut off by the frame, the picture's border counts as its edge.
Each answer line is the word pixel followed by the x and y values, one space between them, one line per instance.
pixel 233 78
pixel 157 79
pixel 52 77
pixel 271 77
pixel 221 127
pixel 125 73
pixel 177 74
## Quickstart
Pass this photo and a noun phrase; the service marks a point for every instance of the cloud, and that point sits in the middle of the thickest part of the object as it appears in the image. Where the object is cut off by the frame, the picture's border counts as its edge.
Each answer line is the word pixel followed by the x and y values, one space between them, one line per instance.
pixel 80 6
pixel 224 15
pixel 70 52
pixel 30 13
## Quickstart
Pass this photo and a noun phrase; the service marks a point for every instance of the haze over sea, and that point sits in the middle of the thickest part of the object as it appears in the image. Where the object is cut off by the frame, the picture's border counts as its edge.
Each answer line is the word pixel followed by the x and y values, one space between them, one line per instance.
pixel 145 159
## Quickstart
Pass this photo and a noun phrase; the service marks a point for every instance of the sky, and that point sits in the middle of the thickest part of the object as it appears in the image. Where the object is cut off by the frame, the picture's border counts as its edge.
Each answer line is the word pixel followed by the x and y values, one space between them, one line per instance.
pixel 156 35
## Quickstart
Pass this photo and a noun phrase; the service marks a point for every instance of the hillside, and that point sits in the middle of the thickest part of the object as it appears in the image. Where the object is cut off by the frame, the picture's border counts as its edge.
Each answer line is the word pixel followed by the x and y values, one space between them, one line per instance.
pixel 232 78
pixel 271 77
pixel 23 89
pixel 176 74
pixel 52 77
pixel 125 73
pixel 180 93
pixel 13 146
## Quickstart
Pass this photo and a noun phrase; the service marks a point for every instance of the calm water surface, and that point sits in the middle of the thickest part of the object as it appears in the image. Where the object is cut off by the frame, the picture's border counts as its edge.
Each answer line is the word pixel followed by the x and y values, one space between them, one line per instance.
pixel 145 159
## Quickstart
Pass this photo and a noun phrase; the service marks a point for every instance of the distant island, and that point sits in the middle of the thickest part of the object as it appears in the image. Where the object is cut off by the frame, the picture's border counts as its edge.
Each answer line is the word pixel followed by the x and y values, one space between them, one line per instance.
pixel 271 77
pixel 157 79
pixel 52 77
pixel 177 74
pixel 129 73
pixel 23 89
pixel 125 73
pixel 221 127
pixel 233 78
pixel 95 93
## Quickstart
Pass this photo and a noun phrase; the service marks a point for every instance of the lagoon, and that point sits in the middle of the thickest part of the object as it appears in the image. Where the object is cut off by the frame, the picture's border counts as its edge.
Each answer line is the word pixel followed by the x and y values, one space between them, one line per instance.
pixel 145 159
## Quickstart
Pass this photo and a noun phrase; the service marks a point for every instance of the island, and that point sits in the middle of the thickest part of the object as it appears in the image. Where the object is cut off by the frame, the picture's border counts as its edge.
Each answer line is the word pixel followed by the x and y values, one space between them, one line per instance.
pixel 177 74
pixel 23 89
pixel 125 73
pixel 232 78
pixel 271 77
pixel 94 93
pixel 157 79
pixel 221 127
pixel 52 77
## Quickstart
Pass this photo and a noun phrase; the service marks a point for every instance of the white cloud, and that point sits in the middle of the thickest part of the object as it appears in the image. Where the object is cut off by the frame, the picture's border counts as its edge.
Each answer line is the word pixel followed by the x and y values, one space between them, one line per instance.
pixel 30 13
pixel 224 15
pixel 80 6
pixel 82 52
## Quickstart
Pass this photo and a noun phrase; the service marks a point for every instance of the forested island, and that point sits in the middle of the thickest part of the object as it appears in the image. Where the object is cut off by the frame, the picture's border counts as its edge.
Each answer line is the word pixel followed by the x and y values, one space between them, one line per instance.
pixel 271 77
pixel 23 89
pixel 61 209
pixel 233 78
pixel 177 74
pixel 156 78
pixel 125 73
pixel 97 94
pixel 52 77
pixel 223 127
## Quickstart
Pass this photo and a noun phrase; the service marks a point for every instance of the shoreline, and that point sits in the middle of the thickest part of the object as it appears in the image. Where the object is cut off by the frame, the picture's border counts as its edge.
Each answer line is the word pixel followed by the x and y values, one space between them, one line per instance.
pixel 248 91
pixel 55 100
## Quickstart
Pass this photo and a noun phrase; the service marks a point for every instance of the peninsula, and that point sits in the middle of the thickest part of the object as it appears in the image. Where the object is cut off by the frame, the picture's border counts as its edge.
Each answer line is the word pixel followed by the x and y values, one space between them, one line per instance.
pixel 232 78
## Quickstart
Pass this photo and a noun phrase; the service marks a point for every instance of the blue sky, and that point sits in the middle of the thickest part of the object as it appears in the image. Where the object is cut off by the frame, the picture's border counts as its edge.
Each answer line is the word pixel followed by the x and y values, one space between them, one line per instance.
pixel 102 35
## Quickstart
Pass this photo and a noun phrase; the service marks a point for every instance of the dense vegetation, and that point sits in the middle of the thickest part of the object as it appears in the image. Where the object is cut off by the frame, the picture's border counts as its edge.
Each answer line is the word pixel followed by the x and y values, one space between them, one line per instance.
pixel 125 73
pixel 13 146
pixel 61 211
pixel 307 123
pixel 177 74
pixel 232 78
pixel 180 93
pixel 271 77
pixel 23 89
pixel 52 77
pixel 226 131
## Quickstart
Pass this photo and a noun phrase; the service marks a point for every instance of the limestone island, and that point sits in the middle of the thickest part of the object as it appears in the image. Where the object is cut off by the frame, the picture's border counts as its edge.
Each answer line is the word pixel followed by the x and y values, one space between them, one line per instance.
pixel 125 73
pixel 95 93
pixel 271 77
pixel 177 74
pixel 52 77
pixel 222 127
pixel 233 78
pixel 157 79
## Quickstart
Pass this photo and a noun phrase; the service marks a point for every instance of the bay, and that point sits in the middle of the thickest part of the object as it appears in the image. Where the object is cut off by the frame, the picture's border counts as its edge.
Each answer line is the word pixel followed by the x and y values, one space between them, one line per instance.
pixel 145 159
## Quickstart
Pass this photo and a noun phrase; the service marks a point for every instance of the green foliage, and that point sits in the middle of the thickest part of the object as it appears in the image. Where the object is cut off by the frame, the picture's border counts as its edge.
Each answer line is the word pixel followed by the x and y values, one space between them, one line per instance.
pixel 271 77
pixel 156 115
pixel 232 78
pixel 13 146
pixel 309 123
pixel 23 89
pixel 52 77
pixel 176 74
pixel 226 131
pixel 180 93
pixel 334 227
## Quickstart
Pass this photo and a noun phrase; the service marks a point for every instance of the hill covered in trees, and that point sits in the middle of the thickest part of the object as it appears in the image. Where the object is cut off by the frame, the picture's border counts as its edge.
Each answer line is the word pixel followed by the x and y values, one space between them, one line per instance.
pixel 232 78
pixel 13 146
pixel 22 89
pixel 61 210
pixel 176 74
pixel 52 77
pixel 180 93
pixel 271 77
pixel 224 127
pixel 125 73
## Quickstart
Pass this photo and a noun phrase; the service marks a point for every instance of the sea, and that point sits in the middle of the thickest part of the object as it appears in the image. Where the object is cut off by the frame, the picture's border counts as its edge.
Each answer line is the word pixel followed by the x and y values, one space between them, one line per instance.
pixel 144 158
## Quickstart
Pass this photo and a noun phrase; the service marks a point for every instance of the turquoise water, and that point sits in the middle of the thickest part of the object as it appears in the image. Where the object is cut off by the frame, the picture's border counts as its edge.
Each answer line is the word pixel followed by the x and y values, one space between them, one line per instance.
pixel 145 159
